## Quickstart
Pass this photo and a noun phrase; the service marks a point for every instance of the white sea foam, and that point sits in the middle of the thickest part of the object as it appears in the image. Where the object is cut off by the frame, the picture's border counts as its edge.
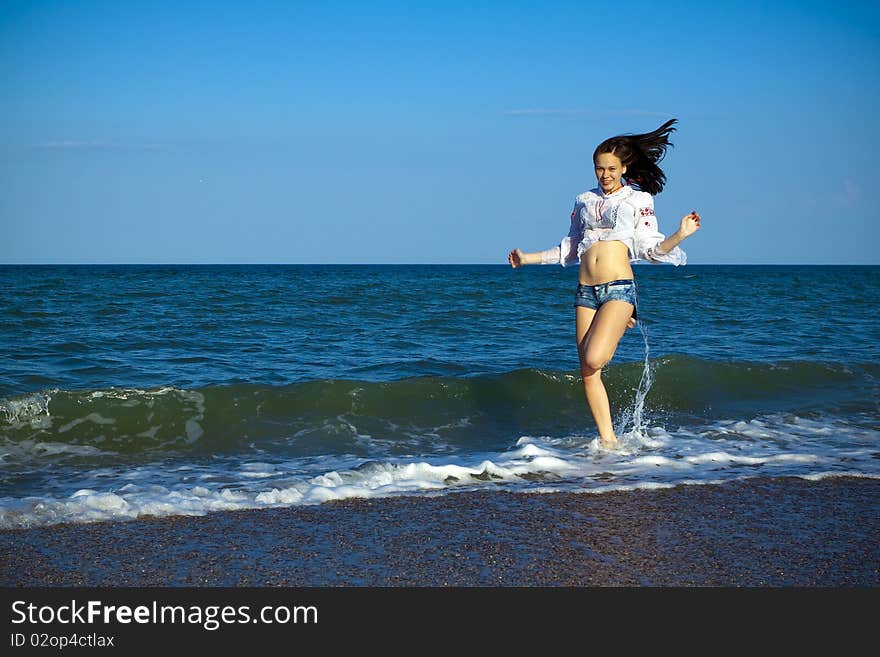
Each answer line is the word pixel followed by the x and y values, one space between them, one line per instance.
pixel 648 458
pixel 95 418
pixel 15 452
pixel 32 409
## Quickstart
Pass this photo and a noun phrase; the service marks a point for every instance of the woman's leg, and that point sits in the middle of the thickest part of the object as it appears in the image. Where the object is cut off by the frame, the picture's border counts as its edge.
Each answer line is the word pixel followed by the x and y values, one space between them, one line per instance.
pixel 598 332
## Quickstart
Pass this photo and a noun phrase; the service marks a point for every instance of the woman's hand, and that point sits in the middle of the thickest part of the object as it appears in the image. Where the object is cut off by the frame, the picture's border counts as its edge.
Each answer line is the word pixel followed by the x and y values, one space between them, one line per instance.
pixel 515 258
pixel 690 224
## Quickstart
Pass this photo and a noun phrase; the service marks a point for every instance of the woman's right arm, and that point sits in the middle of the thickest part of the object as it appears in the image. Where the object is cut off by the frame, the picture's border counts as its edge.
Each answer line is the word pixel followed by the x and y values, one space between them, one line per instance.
pixel 518 257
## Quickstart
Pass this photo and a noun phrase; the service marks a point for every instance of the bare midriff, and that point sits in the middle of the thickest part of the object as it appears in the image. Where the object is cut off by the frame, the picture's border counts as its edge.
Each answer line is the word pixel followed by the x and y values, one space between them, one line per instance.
pixel 605 261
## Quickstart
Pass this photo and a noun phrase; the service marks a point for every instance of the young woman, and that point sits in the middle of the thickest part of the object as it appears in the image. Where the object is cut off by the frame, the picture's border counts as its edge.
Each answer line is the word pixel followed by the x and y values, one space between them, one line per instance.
pixel 612 226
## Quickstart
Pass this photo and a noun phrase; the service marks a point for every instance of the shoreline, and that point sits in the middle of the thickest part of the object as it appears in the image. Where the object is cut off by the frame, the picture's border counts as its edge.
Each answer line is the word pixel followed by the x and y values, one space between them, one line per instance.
pixel 757 532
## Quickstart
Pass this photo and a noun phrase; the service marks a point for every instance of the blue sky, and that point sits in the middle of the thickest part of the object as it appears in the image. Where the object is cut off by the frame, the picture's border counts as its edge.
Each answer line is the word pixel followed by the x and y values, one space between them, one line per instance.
pixel 447 132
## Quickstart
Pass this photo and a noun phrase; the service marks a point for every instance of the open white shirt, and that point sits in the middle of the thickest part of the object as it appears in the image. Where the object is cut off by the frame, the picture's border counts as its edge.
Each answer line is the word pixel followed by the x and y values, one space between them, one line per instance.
pixel 626 215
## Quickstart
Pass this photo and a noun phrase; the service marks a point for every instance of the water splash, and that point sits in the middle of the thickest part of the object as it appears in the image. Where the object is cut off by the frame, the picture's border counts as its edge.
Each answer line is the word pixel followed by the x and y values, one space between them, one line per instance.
pixel 632 421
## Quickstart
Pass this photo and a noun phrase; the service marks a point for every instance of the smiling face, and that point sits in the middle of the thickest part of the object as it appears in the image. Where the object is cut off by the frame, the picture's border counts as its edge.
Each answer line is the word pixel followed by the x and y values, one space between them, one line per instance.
pixel 609 170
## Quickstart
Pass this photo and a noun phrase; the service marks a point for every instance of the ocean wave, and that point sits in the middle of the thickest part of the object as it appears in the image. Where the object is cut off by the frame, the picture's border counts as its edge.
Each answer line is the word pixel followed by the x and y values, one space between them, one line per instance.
pixel 425 415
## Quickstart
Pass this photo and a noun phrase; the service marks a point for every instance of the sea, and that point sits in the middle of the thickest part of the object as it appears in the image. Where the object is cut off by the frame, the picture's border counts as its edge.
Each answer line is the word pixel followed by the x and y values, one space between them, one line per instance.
pixel 135 391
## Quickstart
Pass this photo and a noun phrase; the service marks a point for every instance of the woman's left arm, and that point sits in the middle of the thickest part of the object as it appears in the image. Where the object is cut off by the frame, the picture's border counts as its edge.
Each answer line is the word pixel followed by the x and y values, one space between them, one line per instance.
pixel 652 245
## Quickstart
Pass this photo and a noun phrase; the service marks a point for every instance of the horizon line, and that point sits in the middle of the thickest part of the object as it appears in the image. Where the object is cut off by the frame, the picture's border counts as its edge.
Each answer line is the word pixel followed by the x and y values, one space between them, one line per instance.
pixel 406 264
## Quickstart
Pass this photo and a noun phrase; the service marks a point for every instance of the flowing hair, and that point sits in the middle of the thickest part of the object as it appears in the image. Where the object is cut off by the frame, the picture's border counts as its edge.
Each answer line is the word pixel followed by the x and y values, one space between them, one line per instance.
pixel 640 155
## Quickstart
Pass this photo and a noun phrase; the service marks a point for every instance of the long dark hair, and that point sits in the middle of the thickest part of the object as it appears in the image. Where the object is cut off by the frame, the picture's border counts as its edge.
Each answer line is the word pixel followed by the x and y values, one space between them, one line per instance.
pixel 640 155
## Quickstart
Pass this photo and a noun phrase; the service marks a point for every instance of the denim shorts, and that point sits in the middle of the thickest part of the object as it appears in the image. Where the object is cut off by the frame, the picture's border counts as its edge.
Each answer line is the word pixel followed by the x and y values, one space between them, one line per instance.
pixel 593 296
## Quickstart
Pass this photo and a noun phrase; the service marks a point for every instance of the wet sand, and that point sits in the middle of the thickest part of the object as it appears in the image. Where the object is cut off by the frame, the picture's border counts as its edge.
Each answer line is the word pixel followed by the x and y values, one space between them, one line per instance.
pixel 757 532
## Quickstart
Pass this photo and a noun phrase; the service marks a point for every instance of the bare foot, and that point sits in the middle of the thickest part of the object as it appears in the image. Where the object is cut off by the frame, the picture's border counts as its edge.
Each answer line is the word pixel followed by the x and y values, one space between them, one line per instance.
pixel 609 443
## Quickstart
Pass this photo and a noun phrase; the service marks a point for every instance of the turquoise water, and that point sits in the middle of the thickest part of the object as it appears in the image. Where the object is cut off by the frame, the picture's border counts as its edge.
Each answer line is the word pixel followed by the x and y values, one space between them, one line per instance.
pixel 131 390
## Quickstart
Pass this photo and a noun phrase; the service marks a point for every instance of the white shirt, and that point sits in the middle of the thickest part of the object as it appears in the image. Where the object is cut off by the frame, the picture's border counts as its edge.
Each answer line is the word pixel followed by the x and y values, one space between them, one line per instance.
pixel 626 215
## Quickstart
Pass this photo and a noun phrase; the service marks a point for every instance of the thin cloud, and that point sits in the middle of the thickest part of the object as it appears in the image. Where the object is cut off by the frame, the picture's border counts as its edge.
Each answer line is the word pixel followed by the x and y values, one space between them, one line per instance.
pixel 547 112
pixel 849 193
pixel 83 145
pixel 583 112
